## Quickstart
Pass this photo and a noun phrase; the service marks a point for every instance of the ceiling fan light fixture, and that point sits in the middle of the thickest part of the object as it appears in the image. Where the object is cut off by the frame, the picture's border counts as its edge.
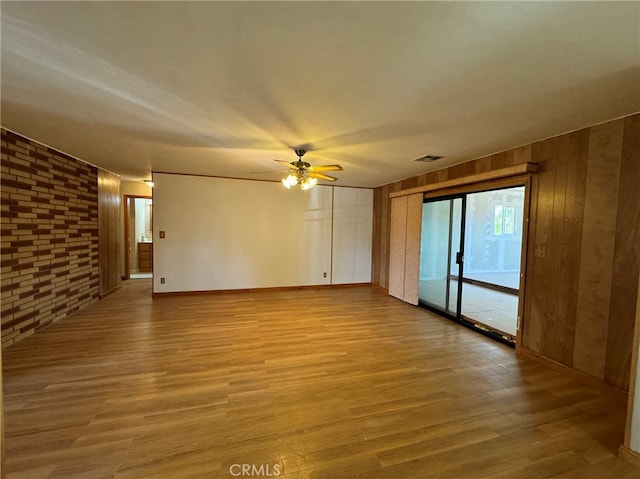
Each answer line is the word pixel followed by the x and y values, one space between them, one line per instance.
pixel 308 183
pixel 304 175
pixel 289 181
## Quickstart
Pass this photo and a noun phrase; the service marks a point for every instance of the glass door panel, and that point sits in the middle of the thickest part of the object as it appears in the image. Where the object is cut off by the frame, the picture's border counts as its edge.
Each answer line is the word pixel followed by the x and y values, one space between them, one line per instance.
pixel 455 257
pixel 439 251
pixel 493 245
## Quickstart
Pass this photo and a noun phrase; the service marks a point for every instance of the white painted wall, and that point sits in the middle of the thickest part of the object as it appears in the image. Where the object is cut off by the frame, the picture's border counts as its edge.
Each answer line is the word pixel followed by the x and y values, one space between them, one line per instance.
pixel 236 234
pixel 141 218
pixel 352 233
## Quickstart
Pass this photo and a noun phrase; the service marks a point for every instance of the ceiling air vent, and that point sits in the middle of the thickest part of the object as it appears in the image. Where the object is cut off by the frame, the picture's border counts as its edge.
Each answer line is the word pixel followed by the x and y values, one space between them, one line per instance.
pixel 428 158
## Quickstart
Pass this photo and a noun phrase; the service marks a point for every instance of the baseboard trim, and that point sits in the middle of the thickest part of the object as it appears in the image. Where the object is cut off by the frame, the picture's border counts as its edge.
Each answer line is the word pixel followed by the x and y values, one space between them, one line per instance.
pixel 111 291
pixel 585 378
pixel 257 290
pixel 629 455
pixel 378 286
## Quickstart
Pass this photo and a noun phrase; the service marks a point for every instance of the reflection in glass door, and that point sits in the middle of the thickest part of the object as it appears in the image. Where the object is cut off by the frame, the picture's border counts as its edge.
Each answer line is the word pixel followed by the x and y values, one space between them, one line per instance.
pixel 440 255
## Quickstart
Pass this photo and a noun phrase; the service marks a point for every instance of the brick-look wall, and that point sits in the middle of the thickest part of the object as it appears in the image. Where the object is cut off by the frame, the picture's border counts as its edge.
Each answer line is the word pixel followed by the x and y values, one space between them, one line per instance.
pixel 49 249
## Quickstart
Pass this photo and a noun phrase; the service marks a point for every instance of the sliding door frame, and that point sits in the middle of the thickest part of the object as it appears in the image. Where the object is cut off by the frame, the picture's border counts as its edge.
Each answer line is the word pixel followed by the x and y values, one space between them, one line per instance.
pixel 460 249
pixel 528 228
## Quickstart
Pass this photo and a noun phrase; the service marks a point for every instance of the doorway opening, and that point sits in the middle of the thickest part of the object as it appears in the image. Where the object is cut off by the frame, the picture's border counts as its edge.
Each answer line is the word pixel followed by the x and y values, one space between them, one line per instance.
pixel 471 257
pixel 138 231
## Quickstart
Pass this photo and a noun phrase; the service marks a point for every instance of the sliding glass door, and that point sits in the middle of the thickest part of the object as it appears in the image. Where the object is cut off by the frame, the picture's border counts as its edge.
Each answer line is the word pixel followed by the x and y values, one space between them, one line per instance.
pixel 493 247
pixel 440 255
pixel 470 255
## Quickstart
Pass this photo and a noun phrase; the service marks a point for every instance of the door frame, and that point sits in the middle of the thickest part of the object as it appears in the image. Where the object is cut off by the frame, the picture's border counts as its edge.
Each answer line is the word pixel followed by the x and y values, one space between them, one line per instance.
pixel 127 246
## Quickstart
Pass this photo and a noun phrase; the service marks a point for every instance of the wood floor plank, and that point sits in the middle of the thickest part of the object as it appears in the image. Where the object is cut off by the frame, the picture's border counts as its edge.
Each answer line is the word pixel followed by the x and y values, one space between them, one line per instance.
pixel 327 383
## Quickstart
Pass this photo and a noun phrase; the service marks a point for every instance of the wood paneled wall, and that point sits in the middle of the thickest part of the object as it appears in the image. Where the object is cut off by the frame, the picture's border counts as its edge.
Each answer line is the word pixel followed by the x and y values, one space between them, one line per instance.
pixel 583 253
pixel 110 235
pixel 626 259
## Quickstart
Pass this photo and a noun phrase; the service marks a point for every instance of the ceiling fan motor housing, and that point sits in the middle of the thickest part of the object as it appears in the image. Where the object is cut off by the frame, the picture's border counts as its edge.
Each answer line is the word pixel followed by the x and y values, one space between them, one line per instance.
pixel 301 165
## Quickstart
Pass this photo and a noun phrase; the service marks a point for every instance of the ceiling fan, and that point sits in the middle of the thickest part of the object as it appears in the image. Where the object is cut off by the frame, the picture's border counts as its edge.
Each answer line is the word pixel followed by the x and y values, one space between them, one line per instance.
pixel 305 175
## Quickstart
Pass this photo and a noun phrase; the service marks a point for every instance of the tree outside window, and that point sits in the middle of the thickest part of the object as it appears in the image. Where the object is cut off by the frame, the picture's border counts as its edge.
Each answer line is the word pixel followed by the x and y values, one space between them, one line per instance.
pixel 504 220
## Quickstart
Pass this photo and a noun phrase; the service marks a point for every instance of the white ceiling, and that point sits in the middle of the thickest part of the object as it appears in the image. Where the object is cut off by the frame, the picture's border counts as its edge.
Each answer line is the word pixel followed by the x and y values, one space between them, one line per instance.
pixel 224 88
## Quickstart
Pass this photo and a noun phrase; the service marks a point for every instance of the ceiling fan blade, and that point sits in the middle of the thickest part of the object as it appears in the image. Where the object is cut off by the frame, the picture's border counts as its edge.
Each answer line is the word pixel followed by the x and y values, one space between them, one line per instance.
pixel 321 176
pixel 288 164
pixel 327 168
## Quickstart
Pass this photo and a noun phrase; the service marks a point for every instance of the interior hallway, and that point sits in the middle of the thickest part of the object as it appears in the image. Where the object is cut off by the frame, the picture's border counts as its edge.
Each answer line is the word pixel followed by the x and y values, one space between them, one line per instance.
pixel 327 383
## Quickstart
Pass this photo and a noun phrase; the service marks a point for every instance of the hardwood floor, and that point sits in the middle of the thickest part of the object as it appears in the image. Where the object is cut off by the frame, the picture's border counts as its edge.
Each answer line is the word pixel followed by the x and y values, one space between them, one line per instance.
pixel 327 383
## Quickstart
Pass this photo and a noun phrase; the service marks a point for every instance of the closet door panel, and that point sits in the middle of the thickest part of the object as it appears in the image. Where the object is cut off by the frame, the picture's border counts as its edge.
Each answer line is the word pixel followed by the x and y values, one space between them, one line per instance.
pixel 398 233
pixel 412 248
